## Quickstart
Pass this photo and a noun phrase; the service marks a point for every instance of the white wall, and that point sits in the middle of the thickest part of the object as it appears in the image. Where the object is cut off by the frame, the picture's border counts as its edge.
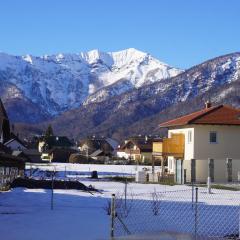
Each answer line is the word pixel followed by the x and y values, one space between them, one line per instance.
pixel 45 157
pixel 171 164
pixel 123 155
pixel 40 146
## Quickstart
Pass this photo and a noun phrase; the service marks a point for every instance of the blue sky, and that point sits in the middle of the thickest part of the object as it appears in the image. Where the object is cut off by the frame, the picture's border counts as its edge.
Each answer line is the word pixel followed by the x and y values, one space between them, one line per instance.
pixel 180 32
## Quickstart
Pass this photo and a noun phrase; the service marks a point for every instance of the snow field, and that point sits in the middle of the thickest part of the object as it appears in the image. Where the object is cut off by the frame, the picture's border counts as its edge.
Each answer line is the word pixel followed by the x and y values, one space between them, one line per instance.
pixel 25 214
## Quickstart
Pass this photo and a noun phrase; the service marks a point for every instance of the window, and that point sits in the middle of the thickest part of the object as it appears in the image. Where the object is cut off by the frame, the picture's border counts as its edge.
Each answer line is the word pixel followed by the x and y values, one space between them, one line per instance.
pixel 213 137
pixel 189 136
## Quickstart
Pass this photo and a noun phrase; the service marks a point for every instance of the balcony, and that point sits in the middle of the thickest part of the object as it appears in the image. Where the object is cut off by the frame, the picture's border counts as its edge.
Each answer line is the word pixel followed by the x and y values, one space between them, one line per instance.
pixel 173 146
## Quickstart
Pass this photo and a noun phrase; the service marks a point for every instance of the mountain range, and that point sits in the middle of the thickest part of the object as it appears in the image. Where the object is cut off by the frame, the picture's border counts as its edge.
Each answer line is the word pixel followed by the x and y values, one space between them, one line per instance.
pixel 50 85
pixel 112 94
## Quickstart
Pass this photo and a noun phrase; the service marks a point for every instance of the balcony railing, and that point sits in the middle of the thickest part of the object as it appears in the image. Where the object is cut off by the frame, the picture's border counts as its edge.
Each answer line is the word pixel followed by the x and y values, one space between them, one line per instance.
pixel 173 146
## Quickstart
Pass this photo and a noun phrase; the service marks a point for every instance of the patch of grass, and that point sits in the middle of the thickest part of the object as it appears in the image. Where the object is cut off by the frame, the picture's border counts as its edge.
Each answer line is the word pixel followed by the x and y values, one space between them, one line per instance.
pixel 132 179
pixel 121 179
pixel 169 183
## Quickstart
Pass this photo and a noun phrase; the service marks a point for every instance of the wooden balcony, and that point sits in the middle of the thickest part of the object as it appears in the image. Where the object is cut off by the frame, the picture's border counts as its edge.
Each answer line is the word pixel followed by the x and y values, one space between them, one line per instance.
pixel 173 146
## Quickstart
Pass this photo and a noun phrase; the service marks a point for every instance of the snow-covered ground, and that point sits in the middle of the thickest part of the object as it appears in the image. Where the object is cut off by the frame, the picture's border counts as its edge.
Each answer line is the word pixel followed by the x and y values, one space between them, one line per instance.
pixel 25 214
pixel 80 171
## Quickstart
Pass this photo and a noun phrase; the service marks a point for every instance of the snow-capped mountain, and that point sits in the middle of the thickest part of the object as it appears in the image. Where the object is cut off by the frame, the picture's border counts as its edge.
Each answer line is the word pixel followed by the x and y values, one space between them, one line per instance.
pixel 141 110
pixel 62 82
pixel 120 94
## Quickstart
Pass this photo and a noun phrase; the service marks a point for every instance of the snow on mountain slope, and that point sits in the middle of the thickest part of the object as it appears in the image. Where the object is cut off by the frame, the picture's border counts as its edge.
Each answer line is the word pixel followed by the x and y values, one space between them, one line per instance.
pixel 64 81
pixel 132 112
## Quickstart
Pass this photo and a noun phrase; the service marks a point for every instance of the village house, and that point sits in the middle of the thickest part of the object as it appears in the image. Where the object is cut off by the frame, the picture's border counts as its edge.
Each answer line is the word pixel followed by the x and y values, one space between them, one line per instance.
pixel 14 143
pixel 50 142
pixel 204 144
pixel 98 148
pixel 157 150
pixel 52 146
pixel 11 165
pixel 60 154
pixel 137 149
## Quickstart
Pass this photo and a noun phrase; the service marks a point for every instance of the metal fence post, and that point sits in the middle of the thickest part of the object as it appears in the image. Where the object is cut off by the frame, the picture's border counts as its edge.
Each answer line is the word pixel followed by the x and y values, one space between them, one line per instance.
pixel 125 195
pixel 193 170
pixel 192 194
pixel 239 221
pixel 52 192
pixel 229 169
pixel 112 215
pixel 211 169
pixel 209 185
pixel 196 214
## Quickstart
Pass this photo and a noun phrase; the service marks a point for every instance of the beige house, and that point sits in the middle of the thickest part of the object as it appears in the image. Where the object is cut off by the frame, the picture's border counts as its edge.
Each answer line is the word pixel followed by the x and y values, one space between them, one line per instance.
pixel 211 145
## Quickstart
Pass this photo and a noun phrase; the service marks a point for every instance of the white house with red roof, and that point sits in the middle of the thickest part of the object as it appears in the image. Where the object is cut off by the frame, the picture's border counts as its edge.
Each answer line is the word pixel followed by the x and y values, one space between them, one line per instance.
pixel 211 145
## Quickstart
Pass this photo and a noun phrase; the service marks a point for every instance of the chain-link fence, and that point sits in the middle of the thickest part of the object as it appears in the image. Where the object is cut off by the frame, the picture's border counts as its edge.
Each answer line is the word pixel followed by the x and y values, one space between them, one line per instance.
pixel 196 212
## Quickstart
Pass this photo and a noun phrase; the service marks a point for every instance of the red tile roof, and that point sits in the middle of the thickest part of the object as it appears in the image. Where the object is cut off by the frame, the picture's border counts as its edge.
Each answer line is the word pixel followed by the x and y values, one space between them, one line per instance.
pixel 217 115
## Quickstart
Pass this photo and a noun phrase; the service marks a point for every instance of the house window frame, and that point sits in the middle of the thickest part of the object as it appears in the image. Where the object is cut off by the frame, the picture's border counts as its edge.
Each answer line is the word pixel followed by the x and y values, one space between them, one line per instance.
pixel 189 136
pixel 210 137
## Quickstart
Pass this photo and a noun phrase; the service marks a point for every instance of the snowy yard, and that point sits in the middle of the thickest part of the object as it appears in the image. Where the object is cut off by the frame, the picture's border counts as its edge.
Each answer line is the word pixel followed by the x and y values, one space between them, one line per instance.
pixel 76 214
pixel 25 214
pixel 84 170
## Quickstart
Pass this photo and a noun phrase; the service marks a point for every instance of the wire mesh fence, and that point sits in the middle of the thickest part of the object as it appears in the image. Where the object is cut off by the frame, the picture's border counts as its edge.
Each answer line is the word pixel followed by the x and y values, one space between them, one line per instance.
pixel 195 212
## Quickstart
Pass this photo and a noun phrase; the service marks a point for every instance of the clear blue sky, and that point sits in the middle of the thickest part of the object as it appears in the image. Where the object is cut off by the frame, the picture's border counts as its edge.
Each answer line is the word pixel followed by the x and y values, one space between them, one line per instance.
pixel 180 32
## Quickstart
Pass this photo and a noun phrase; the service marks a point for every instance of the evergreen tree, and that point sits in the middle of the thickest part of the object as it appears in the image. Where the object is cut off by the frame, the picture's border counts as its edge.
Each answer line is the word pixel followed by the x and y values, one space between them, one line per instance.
pixel 49 131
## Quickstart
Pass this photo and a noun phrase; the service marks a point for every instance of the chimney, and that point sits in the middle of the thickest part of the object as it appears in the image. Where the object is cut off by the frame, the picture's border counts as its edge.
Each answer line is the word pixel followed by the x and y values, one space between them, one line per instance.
pixel 208 104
